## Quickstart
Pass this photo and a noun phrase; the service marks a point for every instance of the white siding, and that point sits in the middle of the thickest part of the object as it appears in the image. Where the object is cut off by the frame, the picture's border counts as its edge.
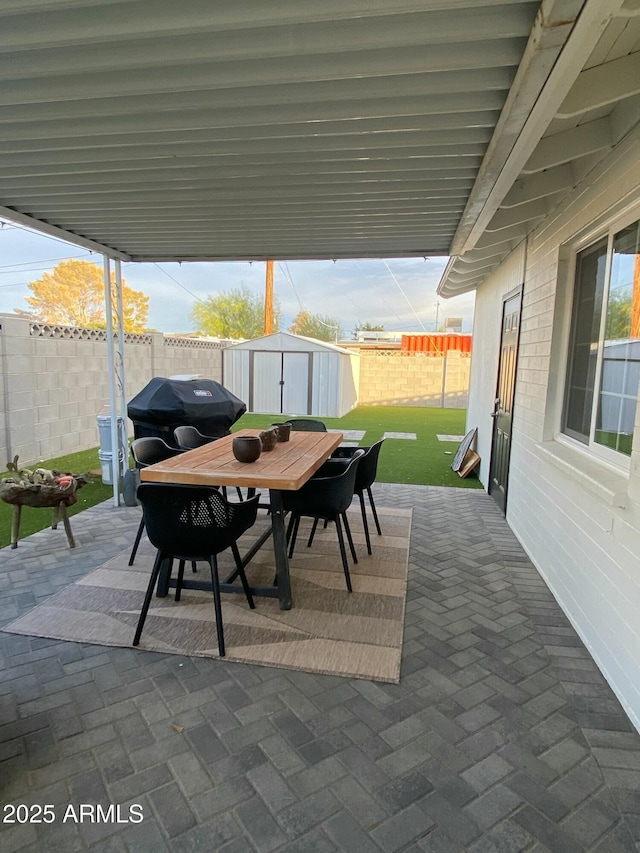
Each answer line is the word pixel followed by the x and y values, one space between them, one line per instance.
pixel 325 389
pixel 578 520
pixel 236 373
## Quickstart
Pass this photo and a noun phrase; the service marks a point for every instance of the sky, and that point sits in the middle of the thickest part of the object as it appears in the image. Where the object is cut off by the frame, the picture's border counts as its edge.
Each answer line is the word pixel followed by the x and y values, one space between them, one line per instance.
pixel 398 293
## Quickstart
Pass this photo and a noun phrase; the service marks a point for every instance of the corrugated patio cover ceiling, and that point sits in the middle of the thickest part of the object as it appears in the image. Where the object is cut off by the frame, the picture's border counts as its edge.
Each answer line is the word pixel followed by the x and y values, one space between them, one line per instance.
pixel 199 130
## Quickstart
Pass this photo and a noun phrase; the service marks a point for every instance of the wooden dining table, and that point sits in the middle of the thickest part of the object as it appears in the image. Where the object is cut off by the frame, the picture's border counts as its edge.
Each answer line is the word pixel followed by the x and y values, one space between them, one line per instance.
pixel 285 468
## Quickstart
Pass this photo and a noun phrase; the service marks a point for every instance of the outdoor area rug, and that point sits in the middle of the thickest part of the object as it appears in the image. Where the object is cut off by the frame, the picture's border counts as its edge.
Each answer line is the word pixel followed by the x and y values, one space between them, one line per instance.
pixel 328 630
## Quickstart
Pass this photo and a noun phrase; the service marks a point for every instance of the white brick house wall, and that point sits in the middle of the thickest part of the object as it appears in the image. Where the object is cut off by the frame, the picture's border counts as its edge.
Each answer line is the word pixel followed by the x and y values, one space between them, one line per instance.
pixel 578 518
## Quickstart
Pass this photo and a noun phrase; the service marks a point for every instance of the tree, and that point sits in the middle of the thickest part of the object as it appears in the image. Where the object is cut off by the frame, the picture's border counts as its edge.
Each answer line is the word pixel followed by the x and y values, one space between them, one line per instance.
pixel 619 314
pixel 232 314
pixel 315 326
pixel 73 295
pixel 366 327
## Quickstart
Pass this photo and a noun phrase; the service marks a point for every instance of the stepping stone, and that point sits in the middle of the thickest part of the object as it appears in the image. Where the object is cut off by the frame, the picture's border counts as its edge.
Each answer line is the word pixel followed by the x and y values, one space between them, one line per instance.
pixel 450 437
pixel 350 434
pixel 409 435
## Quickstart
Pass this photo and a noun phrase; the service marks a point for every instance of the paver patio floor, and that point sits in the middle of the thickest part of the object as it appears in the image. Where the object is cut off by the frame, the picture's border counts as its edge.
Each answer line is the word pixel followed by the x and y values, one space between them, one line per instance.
pixel 501 736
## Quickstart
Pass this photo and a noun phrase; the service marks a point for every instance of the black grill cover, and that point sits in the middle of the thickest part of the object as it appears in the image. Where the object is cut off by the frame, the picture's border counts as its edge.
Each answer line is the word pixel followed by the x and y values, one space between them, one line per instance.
pixel 165 404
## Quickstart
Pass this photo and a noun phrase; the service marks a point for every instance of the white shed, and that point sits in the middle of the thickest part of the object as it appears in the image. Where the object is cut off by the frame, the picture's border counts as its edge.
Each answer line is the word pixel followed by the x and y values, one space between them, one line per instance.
pixel 292 375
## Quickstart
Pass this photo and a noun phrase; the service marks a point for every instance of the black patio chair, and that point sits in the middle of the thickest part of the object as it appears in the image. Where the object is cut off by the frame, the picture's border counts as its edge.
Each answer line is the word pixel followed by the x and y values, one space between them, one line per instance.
pixel 326 498
pixel 307 424
pixel 188 437
pixel 193 523
pixel 147 451
pixel 365 477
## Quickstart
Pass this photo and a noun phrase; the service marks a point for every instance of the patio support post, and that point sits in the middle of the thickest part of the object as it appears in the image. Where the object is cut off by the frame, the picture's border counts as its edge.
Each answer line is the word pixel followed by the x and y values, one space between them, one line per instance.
pixel 113 410
pixel 119 369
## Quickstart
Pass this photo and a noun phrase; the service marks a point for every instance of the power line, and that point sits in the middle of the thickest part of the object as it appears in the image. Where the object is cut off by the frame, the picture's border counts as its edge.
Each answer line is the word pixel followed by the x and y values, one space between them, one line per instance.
pixel 380 296
pixel 175 280
pixel 11 269
pixel 287 275
pixel 9 226
pixel 303 307
pixel 405 295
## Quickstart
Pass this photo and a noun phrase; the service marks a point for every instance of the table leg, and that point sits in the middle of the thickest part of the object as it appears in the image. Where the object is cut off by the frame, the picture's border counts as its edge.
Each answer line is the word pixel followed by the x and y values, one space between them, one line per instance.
pixel 280 549
pixel 67 526
pixel 15 525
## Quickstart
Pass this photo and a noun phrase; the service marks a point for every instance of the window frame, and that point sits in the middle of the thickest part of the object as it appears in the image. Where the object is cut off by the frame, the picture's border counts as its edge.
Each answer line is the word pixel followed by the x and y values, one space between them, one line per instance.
pixel 605 231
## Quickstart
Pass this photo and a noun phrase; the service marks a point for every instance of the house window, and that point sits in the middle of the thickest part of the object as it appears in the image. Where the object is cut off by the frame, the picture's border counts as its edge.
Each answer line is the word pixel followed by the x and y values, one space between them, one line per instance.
pixel 604 346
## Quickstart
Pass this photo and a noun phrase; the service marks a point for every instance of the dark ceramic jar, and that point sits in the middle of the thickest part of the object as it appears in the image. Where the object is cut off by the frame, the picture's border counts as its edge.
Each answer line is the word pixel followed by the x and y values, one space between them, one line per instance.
pixel 246 448
pixel 284 431
pixel 269 438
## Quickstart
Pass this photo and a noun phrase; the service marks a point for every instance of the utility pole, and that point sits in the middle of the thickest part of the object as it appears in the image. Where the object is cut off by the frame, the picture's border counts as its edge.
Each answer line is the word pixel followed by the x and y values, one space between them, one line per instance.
pixel 268 300
pixel 437 310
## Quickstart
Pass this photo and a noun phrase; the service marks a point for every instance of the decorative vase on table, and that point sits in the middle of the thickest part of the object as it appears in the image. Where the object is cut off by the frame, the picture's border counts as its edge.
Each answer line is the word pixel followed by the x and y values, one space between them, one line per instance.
pixel 283 430
pixel 246 448
pixel 269 439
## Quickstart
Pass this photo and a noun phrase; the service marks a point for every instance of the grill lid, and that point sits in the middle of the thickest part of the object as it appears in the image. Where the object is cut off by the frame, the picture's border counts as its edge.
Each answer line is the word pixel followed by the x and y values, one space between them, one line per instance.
pixel 203 403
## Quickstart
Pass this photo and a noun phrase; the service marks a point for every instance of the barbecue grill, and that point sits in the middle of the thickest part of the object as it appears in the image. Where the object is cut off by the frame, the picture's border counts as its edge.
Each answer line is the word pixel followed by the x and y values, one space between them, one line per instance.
pixel 165 404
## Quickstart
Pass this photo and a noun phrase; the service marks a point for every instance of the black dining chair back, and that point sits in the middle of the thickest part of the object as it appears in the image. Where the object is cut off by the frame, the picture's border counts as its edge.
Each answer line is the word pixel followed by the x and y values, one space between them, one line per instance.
pixel 193 523
pixel 147 451
pixel 189 437
pixel 326 498
pixel 365 477
pixel 151 449
pixel 307 424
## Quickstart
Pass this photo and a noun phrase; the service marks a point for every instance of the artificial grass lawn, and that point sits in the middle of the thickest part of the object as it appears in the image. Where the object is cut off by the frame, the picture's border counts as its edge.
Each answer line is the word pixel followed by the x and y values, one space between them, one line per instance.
pixel 422 461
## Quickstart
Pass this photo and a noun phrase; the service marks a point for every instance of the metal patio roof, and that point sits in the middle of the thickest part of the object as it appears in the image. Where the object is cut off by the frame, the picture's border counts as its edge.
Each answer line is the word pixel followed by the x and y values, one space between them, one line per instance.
pixel 245 129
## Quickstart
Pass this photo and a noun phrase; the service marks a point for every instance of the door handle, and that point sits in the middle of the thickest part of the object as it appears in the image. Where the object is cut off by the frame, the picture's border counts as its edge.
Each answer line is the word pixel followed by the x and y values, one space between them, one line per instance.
pixel 496 408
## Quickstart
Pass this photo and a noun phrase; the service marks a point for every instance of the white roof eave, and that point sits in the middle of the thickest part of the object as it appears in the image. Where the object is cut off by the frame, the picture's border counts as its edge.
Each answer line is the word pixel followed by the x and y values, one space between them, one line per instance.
pixel 545 91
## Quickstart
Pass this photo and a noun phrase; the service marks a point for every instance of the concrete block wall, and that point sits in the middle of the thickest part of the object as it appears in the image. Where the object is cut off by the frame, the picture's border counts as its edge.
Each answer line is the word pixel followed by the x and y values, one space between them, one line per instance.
pixel 456 380
pixel 413 379
pixel 54 382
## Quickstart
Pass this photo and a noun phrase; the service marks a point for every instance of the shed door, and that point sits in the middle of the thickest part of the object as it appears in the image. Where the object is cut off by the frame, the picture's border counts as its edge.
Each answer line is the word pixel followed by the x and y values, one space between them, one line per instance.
pixel 280 382
pixel 505 393
pixel 266 373
pixel 296 376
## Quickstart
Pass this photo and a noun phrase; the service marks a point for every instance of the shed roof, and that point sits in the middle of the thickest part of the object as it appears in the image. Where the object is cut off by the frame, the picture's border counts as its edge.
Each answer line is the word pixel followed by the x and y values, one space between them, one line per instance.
pixel 286 342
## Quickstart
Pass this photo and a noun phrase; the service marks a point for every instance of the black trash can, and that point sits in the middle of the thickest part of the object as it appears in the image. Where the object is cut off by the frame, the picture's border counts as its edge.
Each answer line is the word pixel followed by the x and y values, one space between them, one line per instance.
pixel 164 404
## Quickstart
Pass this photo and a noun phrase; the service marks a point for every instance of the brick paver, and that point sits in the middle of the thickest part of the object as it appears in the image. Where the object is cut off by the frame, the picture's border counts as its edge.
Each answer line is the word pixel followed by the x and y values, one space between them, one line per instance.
pixel 501 736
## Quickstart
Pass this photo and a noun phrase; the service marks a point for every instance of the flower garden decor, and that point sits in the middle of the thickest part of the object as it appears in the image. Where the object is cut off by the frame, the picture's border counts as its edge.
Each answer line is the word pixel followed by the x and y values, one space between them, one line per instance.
pixel 40 488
